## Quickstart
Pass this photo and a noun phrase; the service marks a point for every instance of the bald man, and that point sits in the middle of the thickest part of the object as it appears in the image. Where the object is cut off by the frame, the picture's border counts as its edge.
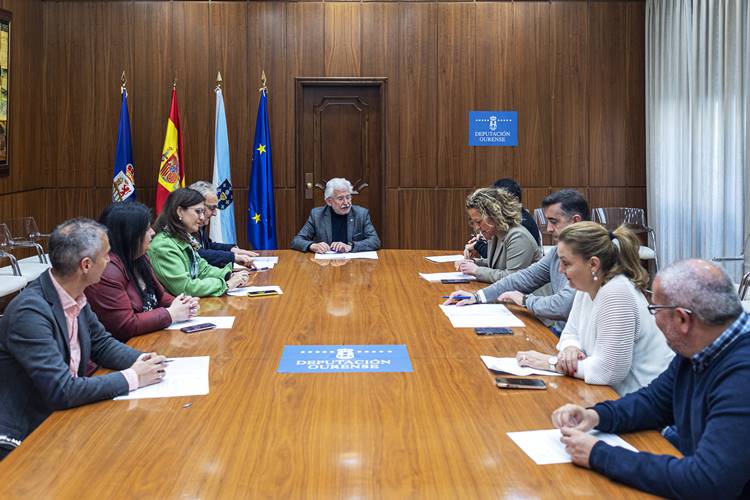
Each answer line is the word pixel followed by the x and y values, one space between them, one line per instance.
pixel 704 393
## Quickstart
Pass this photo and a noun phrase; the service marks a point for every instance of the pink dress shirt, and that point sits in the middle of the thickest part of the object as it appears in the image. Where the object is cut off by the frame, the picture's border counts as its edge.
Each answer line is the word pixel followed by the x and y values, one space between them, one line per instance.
pixel 72 308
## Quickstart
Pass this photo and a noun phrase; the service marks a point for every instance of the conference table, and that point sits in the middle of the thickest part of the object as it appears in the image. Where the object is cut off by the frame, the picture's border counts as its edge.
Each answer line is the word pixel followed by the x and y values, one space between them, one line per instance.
pixel 436 432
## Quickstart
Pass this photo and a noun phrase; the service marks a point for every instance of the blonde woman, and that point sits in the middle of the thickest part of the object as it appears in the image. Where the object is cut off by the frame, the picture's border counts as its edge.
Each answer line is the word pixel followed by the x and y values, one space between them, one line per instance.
pixel 610 337
pixel 496 214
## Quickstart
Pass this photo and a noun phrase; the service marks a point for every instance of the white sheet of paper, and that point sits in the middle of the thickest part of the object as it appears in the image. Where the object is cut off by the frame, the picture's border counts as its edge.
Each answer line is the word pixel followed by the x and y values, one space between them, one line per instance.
pixel 544 447
pixel 481 316
pixel 435 277
pixel 243 291
pixel 347 256
pixel 182 377
pixel 445 258
pixel 219 321
pixel 266 259
pixel 510 365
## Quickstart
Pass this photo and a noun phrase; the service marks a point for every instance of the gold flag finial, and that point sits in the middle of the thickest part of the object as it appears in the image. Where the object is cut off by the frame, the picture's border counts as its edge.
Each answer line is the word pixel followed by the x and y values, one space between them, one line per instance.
pixel 219 80
pixel 123 82
pixel 174 82
pixel 262 81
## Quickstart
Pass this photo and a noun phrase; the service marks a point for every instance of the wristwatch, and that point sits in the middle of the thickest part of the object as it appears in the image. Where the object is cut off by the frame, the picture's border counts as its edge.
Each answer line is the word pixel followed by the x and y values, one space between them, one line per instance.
pixel 552 362
pixel 523 300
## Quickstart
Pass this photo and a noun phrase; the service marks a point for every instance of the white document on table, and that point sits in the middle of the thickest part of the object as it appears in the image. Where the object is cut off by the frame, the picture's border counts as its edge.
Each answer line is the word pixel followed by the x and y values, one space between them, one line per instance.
pixel 243 291
pixel 435 277
pixel 544 447
pixel 510 365
pixel 182 377
pixel 265 260
pixel 481 316
pixel 373 255
pixel 219 321
pixel 445 258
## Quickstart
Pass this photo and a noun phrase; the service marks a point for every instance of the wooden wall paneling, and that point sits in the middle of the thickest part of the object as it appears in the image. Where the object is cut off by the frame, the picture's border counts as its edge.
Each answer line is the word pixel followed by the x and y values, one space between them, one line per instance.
pixel 228 41
pixel 343 41
pixel 380 36
pixel 569 68
pixel 305 51
pixel 240 215
pixel 267 30
pixel 453 227
pixel 617 197
pixel 531 25
pixel 608 104
pixel 286 216
pixel 194 87
pixel 418 218
pixel 389 232
pixel 63 204
pixel 150 91
pixel 25 97
pixel 455 93
pixel 418 94
pixel 494 70
pixel 532 197
pixel 635 34
pixel 113 32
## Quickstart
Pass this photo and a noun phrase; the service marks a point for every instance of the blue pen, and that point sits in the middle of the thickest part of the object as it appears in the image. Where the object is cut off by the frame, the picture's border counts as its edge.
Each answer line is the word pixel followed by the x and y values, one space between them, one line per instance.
pixel 458 297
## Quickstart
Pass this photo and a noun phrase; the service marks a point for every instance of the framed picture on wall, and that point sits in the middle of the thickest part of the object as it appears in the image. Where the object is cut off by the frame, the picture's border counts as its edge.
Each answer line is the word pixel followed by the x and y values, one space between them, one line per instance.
pixel 5 21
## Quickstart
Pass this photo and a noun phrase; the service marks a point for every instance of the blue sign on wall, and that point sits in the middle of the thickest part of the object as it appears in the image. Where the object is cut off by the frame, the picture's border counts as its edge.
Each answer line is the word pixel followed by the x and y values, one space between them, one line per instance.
pixel 344 358
pixel 493 128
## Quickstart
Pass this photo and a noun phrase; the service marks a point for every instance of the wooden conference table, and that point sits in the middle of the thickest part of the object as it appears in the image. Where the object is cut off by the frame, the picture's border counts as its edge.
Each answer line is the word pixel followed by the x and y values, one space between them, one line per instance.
pixel 438 432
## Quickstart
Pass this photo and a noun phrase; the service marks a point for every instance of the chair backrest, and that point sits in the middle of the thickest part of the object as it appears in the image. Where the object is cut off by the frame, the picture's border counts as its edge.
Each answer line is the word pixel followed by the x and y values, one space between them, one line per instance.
pixel 744 286
pixel 6 240
pixel 540 219
pixel 614 217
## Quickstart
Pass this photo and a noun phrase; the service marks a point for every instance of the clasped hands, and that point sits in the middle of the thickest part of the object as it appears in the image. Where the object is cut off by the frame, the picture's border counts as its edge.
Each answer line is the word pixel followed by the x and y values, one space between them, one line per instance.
pixel 183 307
pixel 574 423
pixel 336 246
pixel 567 360
pixel 466 266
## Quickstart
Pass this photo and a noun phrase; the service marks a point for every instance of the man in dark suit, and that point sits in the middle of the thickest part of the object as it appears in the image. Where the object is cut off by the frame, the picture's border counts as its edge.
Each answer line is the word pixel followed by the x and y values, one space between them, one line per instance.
pixel 49 333
pixel 339 226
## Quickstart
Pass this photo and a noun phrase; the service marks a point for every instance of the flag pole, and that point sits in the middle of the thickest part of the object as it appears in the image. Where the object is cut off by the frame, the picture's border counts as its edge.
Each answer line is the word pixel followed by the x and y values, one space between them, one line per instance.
pixel 219 81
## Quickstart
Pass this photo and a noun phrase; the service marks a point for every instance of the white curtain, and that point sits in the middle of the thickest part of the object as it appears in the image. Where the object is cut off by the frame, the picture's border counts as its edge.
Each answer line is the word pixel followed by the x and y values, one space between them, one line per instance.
pixel 697 133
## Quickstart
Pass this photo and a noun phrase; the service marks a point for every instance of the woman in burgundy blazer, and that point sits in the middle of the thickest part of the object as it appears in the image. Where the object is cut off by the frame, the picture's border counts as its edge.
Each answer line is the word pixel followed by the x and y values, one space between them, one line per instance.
pixel 128 299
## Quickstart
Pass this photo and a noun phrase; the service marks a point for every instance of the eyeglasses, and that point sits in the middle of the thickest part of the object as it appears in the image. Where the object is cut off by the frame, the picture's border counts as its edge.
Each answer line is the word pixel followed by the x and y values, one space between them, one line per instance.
pixel 342 199
pixel 198 211
pixel 653 308
pixel 212 207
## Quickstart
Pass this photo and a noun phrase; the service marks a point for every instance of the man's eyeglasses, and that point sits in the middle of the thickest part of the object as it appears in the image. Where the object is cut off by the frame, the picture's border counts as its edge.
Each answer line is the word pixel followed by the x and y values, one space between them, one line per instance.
pixel 342 199
pixel 212 207
pixel 653 308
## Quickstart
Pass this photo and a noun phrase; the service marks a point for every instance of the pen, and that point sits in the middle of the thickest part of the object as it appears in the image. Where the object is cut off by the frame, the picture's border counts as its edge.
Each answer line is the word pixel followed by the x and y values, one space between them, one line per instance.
pixel 458 297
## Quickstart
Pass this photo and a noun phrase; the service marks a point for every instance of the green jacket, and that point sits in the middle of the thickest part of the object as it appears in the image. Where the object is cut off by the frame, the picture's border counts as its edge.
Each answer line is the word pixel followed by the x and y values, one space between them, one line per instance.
pixel 173 261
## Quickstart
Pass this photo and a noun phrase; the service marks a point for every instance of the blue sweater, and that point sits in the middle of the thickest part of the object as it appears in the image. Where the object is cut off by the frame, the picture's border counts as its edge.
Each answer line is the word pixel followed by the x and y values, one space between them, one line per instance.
pixel 711 410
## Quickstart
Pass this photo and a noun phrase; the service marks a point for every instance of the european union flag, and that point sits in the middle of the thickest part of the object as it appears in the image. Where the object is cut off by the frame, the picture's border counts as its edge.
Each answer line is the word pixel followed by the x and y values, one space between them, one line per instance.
pixel 261 221
pixel 123 180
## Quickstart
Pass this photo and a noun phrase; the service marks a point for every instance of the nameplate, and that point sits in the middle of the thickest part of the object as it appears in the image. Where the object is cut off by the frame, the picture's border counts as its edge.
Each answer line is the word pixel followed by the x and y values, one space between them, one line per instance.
pixel 344 358
pixel 493 128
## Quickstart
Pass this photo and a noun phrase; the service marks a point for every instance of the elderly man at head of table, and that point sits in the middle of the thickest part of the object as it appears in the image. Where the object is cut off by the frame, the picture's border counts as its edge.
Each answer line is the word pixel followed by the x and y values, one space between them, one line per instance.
pixel 339 226
pixel 703 393
pixel 49 333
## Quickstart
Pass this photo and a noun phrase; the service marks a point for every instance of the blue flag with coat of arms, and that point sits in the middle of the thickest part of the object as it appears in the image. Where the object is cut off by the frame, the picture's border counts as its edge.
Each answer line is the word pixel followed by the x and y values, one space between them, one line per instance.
pixel 123 180
pixel 261 221
pixel 222 223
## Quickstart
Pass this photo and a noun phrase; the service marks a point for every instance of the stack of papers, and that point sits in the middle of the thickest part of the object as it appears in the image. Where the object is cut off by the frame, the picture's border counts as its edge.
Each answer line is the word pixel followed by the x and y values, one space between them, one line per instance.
pixel 346 256
pixel 182 377
pixel 434 277
pixel 243 291
pixel 481 316
pixel 510 365
pixel 219 321
pixel 445 258
pixel 544 447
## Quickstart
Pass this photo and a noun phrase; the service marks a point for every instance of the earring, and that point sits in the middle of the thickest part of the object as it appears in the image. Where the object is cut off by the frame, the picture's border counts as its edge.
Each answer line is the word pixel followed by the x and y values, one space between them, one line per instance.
pixel 593 275
pixel 180 219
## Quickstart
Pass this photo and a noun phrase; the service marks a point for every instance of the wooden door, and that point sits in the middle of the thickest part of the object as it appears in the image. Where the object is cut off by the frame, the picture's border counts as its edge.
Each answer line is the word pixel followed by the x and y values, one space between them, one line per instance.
pixel 340 133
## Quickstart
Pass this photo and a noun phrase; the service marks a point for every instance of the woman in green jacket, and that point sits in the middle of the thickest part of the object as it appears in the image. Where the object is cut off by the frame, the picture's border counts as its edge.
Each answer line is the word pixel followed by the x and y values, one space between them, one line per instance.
pixel 174 251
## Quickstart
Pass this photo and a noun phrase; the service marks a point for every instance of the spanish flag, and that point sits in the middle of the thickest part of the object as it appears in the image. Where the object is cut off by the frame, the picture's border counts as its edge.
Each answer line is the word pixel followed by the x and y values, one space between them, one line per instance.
pixel 172 167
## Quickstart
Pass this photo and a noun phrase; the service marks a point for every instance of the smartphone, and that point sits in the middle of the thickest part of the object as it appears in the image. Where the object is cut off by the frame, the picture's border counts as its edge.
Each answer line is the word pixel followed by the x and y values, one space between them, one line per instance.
pixel 262 293
pixel 520 383
pixel 454 281
pixel 493 331
pixel 198 328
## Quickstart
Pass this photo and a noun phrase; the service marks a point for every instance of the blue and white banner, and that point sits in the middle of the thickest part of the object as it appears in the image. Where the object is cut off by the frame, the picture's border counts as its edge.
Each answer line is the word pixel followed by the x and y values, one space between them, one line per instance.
pixel 344 358
pixel 493 128
pixel 222 223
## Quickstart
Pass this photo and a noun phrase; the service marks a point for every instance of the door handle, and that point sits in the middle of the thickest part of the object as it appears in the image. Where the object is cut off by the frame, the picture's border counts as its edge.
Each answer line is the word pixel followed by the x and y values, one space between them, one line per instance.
pixel 308 185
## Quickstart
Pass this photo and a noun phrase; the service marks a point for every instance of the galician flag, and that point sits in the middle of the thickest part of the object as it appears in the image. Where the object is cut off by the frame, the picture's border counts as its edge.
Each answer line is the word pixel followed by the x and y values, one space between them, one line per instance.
pixel 123 181
pixel 261 221
pixel 222 223
pixel 172 167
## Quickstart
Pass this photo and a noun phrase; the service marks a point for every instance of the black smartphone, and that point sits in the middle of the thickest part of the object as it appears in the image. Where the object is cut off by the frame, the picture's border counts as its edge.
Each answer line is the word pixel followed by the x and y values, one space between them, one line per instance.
pixel 198 328
pixel 262 293
pixel 454 281
pixel 493 331
pixel 520 383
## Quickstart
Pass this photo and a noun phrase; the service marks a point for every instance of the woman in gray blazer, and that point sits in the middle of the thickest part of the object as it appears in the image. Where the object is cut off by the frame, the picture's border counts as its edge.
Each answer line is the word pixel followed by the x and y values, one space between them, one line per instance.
pixel 497 215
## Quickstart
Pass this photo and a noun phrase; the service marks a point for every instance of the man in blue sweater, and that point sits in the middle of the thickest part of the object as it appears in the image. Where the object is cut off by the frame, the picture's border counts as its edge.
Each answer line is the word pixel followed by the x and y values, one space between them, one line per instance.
pixel 704 392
